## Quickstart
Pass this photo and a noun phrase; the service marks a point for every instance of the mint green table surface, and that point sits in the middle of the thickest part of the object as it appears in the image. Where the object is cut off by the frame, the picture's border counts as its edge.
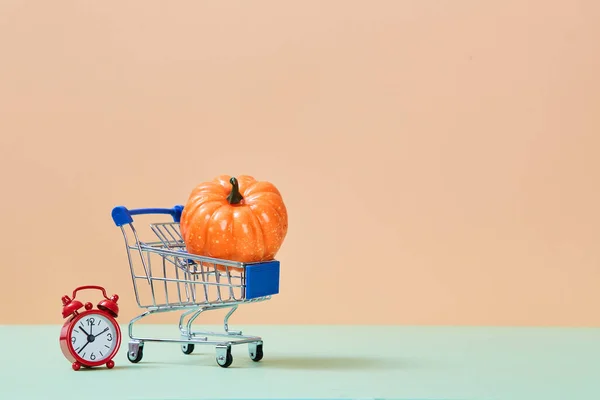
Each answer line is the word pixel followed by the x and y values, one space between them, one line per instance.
pixel 320 362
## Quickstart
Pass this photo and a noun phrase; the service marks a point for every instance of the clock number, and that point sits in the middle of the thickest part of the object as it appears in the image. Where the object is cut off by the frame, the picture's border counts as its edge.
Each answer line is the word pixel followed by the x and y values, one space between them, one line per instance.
pixel 93 357
pixel 72 339
pixel 90 321
pixel 109 336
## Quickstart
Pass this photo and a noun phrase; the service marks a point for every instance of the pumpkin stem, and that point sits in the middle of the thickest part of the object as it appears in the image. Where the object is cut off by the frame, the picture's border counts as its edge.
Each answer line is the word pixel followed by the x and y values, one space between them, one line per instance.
pixel 235 197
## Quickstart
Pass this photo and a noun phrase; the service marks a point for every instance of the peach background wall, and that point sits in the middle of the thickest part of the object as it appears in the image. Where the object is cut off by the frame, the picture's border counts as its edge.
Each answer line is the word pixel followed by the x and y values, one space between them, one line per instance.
pixel 439 159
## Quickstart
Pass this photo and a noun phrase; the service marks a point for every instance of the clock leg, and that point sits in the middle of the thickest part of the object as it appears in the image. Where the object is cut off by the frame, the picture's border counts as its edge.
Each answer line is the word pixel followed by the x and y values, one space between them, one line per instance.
pixel 110 364
pixel 76 366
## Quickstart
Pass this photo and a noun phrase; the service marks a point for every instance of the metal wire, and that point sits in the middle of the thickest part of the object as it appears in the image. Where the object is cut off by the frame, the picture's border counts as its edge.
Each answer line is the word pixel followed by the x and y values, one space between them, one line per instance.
pixel 206 287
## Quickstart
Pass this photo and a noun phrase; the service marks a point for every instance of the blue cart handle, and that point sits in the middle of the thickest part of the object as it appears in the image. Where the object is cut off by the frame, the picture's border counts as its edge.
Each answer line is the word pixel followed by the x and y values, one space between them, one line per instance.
pixel 121 215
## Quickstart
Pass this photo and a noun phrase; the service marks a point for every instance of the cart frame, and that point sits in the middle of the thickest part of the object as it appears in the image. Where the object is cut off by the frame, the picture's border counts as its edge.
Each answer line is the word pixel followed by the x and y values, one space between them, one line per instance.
pixel 230 284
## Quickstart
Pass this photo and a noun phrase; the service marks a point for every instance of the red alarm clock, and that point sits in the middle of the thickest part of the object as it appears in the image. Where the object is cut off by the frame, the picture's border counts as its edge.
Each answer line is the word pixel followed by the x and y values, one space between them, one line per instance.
pixel 93 337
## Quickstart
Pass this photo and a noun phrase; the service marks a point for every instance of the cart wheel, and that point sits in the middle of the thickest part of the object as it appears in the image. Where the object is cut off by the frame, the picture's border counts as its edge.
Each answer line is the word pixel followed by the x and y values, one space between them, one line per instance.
pixel 224 358
pixel 187 348
pixel 256 352
pixel 136 357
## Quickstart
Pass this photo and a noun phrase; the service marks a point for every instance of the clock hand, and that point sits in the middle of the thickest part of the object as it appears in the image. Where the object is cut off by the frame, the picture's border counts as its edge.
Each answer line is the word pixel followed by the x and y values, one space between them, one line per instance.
pixel 81 349
pixel 105 329
pixel 81 327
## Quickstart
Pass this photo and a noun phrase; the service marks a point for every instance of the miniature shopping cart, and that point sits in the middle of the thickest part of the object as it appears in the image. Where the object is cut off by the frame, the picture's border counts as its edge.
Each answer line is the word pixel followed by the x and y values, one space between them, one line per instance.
pixel 167 278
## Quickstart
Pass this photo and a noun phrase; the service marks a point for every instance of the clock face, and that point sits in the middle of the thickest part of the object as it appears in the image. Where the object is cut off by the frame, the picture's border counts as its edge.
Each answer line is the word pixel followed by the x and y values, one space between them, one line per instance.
pixel 93 337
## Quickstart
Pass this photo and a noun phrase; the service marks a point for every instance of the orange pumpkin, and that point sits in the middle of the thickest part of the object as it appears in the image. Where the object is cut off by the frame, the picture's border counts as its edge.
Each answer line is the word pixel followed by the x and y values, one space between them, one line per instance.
pixel 239 219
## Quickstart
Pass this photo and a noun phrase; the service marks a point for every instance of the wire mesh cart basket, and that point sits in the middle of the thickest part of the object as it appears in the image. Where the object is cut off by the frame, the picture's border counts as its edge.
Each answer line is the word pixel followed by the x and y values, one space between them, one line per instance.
pixel 166 278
